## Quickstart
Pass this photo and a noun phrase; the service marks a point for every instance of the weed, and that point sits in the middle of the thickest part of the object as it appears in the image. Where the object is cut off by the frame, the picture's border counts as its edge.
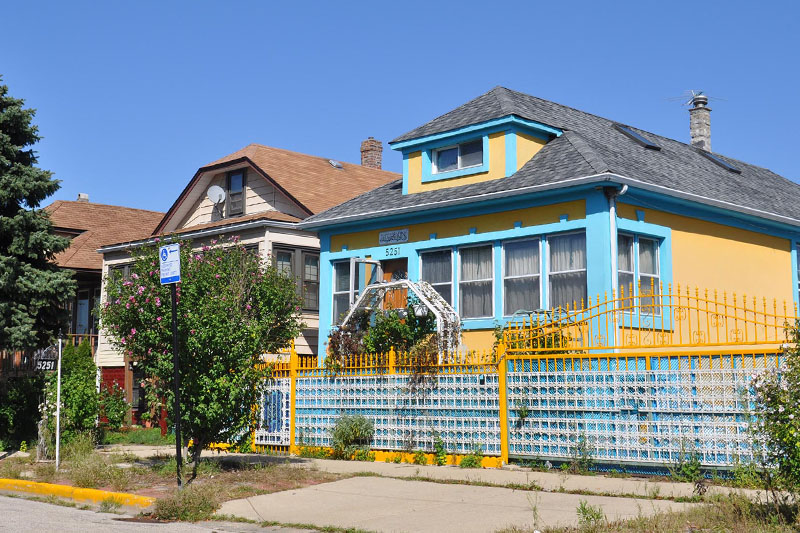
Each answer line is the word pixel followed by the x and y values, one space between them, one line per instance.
pixel 420 458
pixel 473 460
pixel 10 469
pixel 351 433
pixel 23 446
pixel 439 451
pixel 79 447
pixel 193 503
pixel 45 472
pixel 314 452
pixel 687 467
pixel 523 412
pixel 109 505
pixel 617 474
pixel 398 458
pixel 582 457
pixel 363 454
pixel 150 437
pixel 589 516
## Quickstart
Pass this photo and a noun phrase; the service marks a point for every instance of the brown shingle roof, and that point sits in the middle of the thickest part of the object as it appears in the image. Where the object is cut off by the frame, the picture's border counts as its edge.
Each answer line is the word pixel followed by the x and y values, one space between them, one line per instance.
pixel 99 225
pixel 265 215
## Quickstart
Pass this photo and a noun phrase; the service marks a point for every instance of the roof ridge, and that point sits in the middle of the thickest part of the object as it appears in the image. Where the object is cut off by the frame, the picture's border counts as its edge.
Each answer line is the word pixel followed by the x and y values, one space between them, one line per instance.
pixel 62 202
pixel 587 152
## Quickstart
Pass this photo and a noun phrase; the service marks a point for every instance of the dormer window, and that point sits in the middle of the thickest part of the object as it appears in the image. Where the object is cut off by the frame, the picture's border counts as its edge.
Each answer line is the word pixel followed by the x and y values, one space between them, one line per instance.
pixel 235 196
pixel 464 155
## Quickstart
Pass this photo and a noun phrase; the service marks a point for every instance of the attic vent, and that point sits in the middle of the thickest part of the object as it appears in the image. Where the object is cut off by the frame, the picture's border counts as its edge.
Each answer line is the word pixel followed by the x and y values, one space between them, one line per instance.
pixel 628 132
pixel 335 164
pixel 721 162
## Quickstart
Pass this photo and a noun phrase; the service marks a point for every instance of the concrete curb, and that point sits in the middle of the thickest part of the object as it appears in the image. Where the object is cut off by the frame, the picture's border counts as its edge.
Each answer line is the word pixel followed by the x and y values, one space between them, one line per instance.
pixel 75 493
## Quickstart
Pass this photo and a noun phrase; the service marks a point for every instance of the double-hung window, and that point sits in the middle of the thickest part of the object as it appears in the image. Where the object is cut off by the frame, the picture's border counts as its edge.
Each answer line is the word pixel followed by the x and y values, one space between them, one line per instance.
pixel 342 295
pixel 475 282
pixel 465 155
pixel 236 183
pixel 437 269
pixel 303 266
pixel 567 278
pixel 521 278
pixel 638 272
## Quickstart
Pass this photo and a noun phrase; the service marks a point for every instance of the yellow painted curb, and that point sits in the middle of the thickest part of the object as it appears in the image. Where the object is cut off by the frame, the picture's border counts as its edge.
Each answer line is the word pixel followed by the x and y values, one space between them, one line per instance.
pixel 75 493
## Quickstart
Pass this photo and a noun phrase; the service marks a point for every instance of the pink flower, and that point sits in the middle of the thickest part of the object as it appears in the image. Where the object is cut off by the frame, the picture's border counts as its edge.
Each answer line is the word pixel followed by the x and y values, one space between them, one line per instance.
pixel 158 319
pixel 135 275
pixel 140 290
pixel 249 306
pixel 133 331
pixel 158 301
pixel 127 306
pixel 123 341
pixel 116 302
pixel 206 248
pixel 216 276
pixel 192 332
pixel 156 240
pixel 131 298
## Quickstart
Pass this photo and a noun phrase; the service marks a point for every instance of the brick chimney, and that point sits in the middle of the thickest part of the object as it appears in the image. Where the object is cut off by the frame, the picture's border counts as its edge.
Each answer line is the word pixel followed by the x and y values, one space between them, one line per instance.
pixel 83 197
pixel 700 122
pixel 371 153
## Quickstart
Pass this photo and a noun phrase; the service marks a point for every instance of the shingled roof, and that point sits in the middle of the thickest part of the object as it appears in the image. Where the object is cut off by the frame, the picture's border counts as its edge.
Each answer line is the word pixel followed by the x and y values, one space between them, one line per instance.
pixel 97 225
pixel 590 149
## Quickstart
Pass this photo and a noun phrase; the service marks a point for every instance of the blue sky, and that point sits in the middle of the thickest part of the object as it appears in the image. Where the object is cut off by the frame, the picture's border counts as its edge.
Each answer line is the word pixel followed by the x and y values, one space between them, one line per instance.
pixel 133 97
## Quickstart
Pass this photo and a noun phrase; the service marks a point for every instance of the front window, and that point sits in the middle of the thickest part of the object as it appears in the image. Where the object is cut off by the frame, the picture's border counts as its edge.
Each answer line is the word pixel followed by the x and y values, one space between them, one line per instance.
pixel 235 196
pixel 475 282
pixel 567 280
pixel 310 281
pixel 638 272
pixel 437 269
pixel 464 155
pixel 521 276
pixel 342 295
pixel 302 266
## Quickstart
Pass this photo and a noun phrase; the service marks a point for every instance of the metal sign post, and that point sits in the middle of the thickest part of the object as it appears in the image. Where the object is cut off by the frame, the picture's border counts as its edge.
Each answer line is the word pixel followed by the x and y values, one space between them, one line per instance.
pixel 170 270
pixel 58 405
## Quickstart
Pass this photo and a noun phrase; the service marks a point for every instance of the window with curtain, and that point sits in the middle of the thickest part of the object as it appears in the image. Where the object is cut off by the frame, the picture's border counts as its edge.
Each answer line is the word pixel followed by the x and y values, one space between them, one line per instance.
pixel 521 279
pixel 638 272
pixel 567 278
pixel 437 269
pixel 310 288
pixel 475 282
pixel 302 266
pixel 465 155
pixel 341 290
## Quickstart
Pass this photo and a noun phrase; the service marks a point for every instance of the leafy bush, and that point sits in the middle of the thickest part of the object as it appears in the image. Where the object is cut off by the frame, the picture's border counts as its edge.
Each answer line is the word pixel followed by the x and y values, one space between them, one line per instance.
pixel 351 433
pixel 193 503
pixel 19 409
pixel 589 516
pixel 439 451
pixel 777 416
pixel 473 460
pixel 687 467
pixel 401 332
pixel 113 406
pixel 420 458
pixel 79 398
pixel 582 457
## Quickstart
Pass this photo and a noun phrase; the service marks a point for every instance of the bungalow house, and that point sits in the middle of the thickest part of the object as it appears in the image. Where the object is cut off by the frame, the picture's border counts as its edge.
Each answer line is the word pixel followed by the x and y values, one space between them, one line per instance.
pixel 510 203
pixel 260 194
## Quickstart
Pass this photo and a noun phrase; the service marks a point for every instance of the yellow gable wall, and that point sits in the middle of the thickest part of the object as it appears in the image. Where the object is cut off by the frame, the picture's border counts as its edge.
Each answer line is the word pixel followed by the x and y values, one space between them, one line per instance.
pixel 531 216
pixel 527 146
pixel 713 256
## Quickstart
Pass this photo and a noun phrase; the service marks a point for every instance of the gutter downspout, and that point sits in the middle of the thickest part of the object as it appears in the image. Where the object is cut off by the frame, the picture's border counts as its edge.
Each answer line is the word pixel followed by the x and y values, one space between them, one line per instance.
pixel 612 194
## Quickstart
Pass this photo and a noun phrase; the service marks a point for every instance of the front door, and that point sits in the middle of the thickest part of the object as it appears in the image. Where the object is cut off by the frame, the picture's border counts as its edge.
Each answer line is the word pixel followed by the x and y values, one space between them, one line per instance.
pixel 393 270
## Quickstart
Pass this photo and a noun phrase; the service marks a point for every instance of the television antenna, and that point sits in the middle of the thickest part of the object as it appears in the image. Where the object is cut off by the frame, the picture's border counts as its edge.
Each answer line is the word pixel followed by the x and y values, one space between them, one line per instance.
pixel 687 97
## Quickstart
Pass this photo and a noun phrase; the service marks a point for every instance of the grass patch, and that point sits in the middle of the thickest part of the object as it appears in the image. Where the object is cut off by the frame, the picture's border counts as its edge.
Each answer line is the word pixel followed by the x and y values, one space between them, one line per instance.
pixel 193 503
pixel 148 437
pixel 109 505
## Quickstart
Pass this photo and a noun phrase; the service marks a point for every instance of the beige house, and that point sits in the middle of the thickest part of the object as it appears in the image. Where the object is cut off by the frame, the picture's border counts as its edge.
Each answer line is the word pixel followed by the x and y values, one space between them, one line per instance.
pixel 261 195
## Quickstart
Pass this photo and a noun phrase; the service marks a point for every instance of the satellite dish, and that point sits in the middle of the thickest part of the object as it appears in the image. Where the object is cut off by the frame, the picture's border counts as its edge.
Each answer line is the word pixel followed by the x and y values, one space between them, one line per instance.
pixel 215 194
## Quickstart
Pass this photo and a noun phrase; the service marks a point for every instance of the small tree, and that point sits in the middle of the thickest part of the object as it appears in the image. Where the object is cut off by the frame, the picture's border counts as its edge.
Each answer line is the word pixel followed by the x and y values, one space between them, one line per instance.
pixel 777 417
pixel 32 287
pixel 231 310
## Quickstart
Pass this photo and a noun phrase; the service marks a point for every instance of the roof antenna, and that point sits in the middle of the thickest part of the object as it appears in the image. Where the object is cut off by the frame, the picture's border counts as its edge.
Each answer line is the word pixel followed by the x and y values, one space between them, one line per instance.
pixel 699 117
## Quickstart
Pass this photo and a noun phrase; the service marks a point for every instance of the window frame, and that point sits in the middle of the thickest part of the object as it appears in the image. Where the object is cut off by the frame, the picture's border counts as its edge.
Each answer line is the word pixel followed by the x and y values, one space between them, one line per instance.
pixel 228 175
pixel 538 239
pixel 435 156
pixel 452 271
pixel 490 245
pixel 297 269
pixel 637 295
pixel 351 294
pixel 550 272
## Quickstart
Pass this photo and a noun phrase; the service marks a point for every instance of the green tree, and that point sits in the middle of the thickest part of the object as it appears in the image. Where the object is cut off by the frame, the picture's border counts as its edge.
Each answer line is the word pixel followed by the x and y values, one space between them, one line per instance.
pixel 32 287
pixel 232 308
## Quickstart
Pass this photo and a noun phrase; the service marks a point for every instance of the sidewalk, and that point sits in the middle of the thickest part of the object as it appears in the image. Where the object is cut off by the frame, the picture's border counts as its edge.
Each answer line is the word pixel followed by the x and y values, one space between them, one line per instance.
pixel 381 504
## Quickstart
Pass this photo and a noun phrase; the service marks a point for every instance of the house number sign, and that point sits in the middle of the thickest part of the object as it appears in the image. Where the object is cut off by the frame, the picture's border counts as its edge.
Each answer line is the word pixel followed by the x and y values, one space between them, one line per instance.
pixel 393 237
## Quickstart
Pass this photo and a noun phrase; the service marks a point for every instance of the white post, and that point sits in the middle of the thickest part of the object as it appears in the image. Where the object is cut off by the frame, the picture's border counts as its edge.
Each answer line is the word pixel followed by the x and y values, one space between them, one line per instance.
pixel 58 406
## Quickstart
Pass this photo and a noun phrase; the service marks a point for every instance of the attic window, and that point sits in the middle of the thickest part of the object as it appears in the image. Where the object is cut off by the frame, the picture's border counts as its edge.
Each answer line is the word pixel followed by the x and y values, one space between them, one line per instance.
pixel 335 164
pixel 235 196
pixel 465 155
pixel 721 162
pixel 628 132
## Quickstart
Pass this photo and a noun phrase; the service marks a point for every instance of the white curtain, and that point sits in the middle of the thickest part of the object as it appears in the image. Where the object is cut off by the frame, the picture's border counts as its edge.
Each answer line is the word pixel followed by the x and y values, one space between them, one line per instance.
pixel 625 269
pixel 647 256
pixel 567 253
pixel 475 286
pixel 342 275
pixel 437 269
pixel 521 286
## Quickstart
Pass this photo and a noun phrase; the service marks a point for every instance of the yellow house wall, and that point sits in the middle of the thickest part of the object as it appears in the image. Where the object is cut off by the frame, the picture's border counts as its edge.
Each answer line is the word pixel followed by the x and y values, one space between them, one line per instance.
pixel 531 216
pixel 527 147
pixel 713 256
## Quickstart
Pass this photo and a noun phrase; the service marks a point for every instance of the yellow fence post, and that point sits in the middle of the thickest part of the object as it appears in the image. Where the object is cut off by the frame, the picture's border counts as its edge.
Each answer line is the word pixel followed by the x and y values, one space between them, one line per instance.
pixel 392 360
pixel 293 363
pixel 502 369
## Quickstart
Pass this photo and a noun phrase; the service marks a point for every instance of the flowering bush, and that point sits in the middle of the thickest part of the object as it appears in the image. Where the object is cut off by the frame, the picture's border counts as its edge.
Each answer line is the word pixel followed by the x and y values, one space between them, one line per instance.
pixel 777 415
pixel 231 309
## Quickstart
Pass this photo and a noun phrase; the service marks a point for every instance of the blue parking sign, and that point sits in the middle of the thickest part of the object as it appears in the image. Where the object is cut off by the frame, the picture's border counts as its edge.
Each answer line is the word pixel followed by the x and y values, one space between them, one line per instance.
pixel 170 263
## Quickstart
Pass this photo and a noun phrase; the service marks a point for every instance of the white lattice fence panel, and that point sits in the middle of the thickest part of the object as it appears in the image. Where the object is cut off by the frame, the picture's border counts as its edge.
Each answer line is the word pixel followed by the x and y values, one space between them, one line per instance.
pixel 646 416
pixel 463 409
pixel 275 413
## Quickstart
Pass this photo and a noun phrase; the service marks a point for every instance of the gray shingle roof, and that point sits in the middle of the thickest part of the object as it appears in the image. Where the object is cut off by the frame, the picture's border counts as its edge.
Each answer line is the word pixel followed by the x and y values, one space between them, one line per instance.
pixel 590 146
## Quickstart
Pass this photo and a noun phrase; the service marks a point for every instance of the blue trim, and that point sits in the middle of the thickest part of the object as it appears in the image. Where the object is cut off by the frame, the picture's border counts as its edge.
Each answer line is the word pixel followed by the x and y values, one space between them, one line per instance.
pixel 538 129
pixel 795 273
pixel 598 246
pixel 511 152
pixel 405 174
pixel 427 162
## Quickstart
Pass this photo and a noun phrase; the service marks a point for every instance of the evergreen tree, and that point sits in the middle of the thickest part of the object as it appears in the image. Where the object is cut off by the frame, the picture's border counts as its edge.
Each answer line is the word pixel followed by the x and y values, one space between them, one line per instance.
pixel 32 288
